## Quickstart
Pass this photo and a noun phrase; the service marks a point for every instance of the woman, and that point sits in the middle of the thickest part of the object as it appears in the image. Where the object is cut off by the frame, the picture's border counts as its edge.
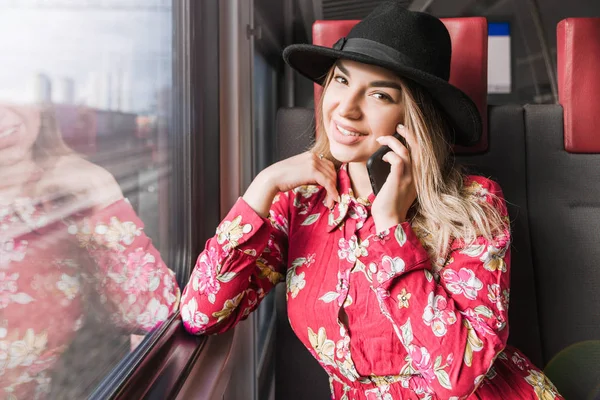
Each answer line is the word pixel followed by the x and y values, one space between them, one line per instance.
pixel 399 296
pixel 77 272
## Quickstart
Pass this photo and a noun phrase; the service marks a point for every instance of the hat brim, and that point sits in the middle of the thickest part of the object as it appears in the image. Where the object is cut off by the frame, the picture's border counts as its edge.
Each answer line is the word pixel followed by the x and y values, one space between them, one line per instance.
pixel 314 62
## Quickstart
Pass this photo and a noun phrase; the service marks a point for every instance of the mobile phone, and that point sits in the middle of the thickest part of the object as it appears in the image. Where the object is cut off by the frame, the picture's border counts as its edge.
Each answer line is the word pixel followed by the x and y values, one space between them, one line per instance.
pixel 378 169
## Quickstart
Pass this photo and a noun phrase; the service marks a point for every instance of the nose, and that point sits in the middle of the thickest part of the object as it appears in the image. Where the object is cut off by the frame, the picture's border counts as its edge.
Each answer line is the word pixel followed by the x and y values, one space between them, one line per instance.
pixel 349 106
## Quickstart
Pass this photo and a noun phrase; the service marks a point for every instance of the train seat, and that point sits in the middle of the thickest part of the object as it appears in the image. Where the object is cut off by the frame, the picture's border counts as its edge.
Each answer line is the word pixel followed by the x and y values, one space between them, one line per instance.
pixel 500 154
pixel 563 177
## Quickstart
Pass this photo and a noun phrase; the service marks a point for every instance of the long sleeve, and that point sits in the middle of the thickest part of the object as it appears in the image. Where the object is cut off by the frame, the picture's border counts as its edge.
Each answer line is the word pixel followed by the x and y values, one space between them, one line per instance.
pixel 451 318
pixel 237 268
pixel 141 291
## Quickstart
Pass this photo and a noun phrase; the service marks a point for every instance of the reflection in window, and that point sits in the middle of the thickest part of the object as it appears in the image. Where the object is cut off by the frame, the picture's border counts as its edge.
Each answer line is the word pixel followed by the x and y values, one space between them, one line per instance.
pixel 84 95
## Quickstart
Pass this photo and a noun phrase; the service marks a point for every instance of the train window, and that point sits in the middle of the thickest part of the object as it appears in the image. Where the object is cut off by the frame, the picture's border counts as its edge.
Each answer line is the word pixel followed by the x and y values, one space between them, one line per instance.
pixel 86 189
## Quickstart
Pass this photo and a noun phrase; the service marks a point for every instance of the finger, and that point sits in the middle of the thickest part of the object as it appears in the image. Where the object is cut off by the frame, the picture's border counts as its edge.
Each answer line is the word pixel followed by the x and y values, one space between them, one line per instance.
pixel 327 168
pixel 330 187
pixel 332 174
pixel 395 145
pixel 399 165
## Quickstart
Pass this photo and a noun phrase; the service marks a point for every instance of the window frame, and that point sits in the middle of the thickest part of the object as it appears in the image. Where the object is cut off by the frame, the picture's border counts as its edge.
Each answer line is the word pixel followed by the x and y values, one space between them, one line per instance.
pixel 159 367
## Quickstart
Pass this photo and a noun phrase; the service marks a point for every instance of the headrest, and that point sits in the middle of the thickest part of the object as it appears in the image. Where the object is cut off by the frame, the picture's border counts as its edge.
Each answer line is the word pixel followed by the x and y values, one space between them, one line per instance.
pixel 578 48
pixel 468 70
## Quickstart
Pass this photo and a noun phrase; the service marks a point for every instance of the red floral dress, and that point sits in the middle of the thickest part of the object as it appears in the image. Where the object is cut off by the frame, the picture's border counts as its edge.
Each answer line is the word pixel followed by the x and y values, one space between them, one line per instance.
pixel 382 319
pixel 42 286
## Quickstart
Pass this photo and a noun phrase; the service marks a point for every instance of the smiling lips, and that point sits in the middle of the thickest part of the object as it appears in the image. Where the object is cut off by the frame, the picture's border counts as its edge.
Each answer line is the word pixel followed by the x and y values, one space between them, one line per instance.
pixel 347 132
pixel 6 132
pixel 344 135
pixel 9 136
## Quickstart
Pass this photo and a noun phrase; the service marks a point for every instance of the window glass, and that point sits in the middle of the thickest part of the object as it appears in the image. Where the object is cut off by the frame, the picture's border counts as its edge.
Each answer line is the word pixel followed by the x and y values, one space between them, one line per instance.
pixel 85 91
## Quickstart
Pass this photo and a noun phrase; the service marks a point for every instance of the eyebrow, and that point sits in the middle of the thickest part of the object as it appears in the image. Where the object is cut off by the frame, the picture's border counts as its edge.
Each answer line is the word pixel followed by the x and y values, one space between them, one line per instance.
pixel 387 84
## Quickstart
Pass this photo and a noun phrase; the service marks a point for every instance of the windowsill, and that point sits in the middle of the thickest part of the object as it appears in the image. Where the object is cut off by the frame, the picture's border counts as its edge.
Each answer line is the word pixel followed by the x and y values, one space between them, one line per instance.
pixel 164 364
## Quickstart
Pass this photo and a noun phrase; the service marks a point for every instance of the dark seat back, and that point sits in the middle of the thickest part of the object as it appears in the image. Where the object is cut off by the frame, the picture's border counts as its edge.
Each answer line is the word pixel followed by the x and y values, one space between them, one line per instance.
pixel 563 174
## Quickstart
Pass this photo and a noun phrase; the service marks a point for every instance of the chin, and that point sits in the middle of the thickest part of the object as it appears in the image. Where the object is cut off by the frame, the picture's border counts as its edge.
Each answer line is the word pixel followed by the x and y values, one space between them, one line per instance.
pixel 347 155
pixel 342 155
pixel 11 156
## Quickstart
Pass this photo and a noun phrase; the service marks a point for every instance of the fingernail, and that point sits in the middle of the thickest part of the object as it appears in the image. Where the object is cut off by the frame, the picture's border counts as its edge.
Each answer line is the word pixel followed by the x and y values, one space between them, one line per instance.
pixel 400 127
pixel 379 138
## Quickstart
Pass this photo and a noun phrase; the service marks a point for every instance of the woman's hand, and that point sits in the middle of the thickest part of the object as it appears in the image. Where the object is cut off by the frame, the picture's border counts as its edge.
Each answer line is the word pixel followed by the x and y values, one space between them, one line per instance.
pixel 304 169
pixel 398 192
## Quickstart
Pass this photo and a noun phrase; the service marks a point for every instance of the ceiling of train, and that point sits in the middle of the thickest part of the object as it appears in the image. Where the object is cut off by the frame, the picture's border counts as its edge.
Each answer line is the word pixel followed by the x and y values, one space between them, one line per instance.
pixel 532 24
pixel 358 9
pixel 350 9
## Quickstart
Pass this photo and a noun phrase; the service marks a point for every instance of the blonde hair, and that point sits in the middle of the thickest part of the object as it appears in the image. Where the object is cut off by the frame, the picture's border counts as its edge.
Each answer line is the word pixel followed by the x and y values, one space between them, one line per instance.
pixel 445 209
pixel 49 145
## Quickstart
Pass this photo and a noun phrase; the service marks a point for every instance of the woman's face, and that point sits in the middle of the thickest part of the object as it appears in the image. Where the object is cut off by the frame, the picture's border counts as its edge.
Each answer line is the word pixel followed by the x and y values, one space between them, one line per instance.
pixel 362 103
pixel 19 128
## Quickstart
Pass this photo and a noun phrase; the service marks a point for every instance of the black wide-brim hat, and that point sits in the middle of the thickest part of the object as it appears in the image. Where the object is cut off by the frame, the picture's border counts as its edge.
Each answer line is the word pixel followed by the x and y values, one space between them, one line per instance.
pixel 414 45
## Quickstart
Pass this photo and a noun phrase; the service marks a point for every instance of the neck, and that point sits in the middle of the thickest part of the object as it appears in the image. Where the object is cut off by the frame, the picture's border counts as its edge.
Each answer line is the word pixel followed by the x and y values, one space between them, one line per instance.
pixel 361 185
pixel 14 176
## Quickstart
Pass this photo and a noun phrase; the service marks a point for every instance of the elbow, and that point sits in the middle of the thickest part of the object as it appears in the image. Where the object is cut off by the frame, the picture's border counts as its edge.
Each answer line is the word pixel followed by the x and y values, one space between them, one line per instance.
pixel 200 317
pixel 196 321
pixel 478 359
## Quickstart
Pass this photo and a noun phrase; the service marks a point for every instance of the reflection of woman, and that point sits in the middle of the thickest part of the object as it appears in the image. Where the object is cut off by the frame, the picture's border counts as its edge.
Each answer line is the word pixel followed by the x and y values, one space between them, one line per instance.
pixel 399 296
pixel 74 260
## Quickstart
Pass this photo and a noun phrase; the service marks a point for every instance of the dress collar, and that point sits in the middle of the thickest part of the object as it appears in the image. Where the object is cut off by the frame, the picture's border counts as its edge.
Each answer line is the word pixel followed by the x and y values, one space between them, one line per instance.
pixel 349 204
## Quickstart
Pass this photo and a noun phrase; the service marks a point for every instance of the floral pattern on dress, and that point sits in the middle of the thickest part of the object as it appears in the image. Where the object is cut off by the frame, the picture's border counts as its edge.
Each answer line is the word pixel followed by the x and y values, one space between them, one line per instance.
pixel 9 291
pixel 351 250
pixel 390 267
pixel 41 276
pixel 437 315
pixel 462 282
pixel 12 251
pixel 500 297
pixel 294 281
pixel 493 259
pixel 194 318
pixel 230 232
pixel 440 324
pixel 544 389
pixel 403 299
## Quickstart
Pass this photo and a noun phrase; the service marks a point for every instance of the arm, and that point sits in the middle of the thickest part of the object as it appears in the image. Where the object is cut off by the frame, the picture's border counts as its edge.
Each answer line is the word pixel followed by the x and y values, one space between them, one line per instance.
pixel 238 267
pixel 247 256
pixel 131 274
pixel 453 329
pixel 140 290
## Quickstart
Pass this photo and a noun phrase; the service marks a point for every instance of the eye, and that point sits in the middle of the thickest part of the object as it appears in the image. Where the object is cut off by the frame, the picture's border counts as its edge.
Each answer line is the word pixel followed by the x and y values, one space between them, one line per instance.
pixel 383 96
pixel 340 79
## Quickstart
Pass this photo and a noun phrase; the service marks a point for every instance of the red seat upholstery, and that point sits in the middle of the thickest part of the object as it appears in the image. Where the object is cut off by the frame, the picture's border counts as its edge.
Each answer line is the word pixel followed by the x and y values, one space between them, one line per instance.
pixel 468 70
pixel 579 83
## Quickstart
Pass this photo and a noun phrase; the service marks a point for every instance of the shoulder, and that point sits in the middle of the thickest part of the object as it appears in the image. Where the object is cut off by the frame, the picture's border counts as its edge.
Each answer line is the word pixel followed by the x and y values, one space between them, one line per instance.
pixel 74 164
pixel 87 177
pixel 484 190
pixel 482 187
